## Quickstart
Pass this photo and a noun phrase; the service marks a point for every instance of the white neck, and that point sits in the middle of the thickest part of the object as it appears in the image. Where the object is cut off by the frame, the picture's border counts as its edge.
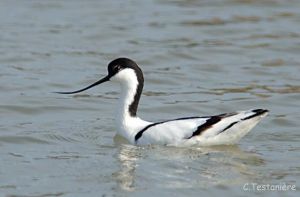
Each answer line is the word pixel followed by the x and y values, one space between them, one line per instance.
pixel 128 91
pixel 128 125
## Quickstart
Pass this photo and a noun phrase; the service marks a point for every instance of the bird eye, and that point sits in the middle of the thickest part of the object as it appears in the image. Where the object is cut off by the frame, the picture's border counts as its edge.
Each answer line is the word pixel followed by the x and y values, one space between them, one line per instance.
pixel 117 67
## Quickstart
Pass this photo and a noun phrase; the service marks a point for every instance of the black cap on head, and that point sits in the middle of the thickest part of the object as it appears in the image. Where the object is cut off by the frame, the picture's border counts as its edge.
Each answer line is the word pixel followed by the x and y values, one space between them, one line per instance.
pixel 121 63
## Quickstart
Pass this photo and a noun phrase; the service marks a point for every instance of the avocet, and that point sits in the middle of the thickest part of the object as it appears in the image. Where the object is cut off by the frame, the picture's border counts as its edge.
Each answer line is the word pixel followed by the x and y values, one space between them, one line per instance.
pixel 226 128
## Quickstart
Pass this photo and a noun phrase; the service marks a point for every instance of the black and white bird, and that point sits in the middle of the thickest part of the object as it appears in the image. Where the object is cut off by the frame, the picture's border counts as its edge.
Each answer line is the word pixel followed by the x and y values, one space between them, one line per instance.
pixel 227 128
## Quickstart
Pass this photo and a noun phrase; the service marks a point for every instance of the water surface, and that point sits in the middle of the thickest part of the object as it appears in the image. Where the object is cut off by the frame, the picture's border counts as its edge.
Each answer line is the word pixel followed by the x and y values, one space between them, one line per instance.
pixel 198 58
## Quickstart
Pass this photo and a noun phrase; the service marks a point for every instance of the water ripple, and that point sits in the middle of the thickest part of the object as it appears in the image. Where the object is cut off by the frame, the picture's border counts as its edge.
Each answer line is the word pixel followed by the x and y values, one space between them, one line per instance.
pixel 22 140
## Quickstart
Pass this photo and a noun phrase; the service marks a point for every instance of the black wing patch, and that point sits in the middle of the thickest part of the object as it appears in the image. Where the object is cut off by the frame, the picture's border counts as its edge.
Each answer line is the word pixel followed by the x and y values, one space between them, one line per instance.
pixel 140 133
pixel 257 113
pixel 209 123
pixel 229 126
pixel 215 119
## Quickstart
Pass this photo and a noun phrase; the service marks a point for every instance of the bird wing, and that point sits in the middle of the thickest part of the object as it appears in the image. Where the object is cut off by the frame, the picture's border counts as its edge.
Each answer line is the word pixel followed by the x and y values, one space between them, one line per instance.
pixel 178 130
pixel 170 131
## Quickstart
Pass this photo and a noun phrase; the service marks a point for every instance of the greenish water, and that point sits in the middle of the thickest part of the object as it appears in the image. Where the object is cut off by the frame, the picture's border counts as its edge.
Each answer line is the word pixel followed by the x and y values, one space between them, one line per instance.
pixel 198 58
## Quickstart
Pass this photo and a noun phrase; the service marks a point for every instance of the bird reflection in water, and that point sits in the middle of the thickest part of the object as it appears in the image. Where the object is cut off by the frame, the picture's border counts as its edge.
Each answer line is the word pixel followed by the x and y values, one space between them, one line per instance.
pixel 128 156
pixel 216 166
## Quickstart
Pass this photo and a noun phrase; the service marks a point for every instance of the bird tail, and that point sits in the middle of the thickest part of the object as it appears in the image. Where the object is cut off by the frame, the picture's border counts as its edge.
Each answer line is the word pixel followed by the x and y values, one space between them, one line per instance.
pixel 233 126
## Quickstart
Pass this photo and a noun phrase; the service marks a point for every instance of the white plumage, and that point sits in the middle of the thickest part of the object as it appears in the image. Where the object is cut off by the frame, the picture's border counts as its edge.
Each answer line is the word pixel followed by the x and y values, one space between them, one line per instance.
pixel 209 130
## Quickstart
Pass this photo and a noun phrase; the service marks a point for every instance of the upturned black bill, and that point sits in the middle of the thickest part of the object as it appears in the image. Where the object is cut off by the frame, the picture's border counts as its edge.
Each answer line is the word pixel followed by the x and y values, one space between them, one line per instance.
pixel 88 87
